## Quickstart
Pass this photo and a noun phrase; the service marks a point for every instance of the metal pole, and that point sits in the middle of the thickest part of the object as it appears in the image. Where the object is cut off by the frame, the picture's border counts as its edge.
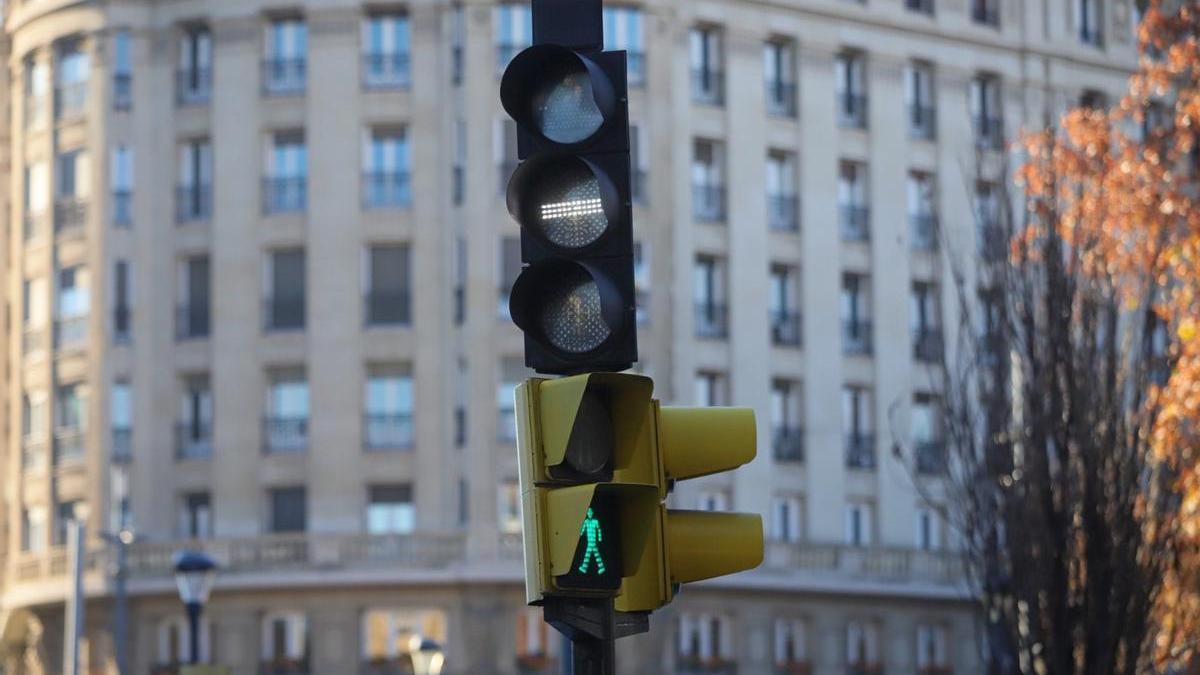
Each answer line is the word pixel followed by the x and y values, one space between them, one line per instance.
pixel 121 609
pixel 73 622
pixel 193 614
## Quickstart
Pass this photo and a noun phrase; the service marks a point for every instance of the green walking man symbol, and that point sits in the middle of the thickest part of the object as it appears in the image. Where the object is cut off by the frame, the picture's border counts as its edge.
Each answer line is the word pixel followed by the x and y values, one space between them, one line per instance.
pixel 591 530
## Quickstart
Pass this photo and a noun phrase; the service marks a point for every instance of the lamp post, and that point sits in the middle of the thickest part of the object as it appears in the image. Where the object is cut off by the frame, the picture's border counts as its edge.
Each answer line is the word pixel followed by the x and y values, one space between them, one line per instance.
pixel 427 656
pixel 194 574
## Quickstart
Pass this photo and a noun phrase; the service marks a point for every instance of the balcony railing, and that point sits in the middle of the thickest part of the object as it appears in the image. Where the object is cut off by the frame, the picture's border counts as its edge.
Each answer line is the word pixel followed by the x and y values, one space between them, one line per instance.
pixel 33 339
pixel 387 189
pixel 122 444
pixel 193 203
pixel 856 337
pixel 506 426
pixel 122 91
pixel 860 451
pixel 635 61
pixel 285 195
pixel 69 445
pixel 708 86
pixel 989 131
pixel 927 344
pixel 70 215
pixel 387 71
pixel 122 324
pixel 781 98
pixel 387 308
pixel 70 100
pixel 924 231
pixel 786 328
pixel 712 321
pixel 193 440
pixel 388 431
pixel 708 203
pixel 284 77
pixel 33 453
pixel 35 111
pixel 70 332
pixel 284 312
pixel 638 186
pixel 922 121
pixel 282 435
pixel 122 208
pixel 931 457
pixel 854 223
pixel 986 12
pixel 34 225
pixel 192 320
pixel 193 86
pixel 783 212
pixel 852 110
pixel 788 444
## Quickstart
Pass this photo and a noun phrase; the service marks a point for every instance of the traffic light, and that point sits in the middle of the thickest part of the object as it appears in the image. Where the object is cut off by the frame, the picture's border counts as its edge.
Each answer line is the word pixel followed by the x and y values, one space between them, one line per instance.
pixel 572 197
pixel 598 456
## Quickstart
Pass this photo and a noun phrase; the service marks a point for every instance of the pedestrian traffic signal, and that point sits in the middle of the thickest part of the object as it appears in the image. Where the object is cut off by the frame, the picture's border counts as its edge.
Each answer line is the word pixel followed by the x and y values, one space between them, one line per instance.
pixel 571 195
pixel 598 457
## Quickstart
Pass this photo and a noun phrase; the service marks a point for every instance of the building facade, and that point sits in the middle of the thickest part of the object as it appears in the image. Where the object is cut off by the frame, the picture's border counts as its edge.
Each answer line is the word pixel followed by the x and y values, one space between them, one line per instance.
pixel 256 267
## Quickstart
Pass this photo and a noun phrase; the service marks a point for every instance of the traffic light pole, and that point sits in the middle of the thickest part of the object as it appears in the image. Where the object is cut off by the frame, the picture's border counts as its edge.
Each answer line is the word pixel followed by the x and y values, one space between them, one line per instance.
pixel 593 627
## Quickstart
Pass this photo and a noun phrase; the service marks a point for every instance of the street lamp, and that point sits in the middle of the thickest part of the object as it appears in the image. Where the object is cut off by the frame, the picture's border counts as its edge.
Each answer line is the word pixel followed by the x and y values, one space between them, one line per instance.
pixel 427 657
pixel 194 574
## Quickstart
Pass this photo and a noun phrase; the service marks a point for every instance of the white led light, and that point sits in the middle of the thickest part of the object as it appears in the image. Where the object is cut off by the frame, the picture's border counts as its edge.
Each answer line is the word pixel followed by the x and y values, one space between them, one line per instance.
pixel 572 209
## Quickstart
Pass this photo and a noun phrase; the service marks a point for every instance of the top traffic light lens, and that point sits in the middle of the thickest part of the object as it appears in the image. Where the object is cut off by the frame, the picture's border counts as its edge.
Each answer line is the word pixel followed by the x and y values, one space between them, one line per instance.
pixel 564 109
pixel 558 95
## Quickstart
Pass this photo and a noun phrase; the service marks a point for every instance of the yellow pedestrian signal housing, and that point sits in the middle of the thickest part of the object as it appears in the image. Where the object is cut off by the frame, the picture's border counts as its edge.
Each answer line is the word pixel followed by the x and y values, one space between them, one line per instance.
pixel 598 456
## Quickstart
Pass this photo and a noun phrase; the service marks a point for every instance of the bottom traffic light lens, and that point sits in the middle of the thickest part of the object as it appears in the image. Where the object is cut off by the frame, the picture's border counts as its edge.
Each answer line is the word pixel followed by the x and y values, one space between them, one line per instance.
pixel 571 317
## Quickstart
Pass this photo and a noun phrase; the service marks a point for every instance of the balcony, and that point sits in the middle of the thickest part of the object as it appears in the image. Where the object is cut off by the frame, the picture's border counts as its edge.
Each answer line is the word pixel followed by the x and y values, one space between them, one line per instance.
pixel 35 111
pixel 856 337
pixel 860 451
pixel 33 340
pixel 924 228
pixel 505 53
pixel 783 212
pixel 284 77
pixel 986 12
pixel 506 426
pixel 122 324
pixel 193 203
pixel 70 100
pixel 922 121
pixel 854 223
pixel 931 457
pixel 388 431
pixel 284 312
pixel 993 242
pixel 989 131
pixel 852 110
pixel 193 86
pixel 786 329
pixel 70 332
pixel 386 71
pixel 285 195
pixel 33 453
pixel 708 203
pixel 788 444
pixel 708 86
pixel 122 91
pixel 387 308
pixel 712 321
pixel 69 445
pixel 33 225
pixel 927 344
pixel 192 320
pixel 638 184
pixel 635 61
pixel 122 208
pixel 781 98
pixel 193 440
pixel 122 444
pixel 285 435
pixel 70 215
pixel 386 190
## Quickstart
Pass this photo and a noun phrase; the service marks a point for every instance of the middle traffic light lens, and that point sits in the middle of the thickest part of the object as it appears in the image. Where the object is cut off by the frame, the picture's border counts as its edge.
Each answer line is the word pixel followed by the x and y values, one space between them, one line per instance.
pixel 571 316
pixel 564 108
pixel 570 210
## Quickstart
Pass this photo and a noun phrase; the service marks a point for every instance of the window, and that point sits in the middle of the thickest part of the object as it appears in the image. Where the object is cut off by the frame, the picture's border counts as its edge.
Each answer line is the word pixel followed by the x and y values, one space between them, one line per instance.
pixel 33 529
pixel 195 298
pixel 639 160
pixel 510 269
pixel 927 435
pixel 71 79
pixel 709 289
pixel 989 216
pixel 65 513
pixel 850 71
pixel 36 198
pixel 172 643
pixel 705 640
pixel 926 322
pixel 779 69
pixel 1088 21
pixel 72 307
pixel 918 94
pixel 285 290
pixel 641 281
pixel 289 510
pixel 194 433
pixel 859 518
pixel 862 646
pixel 986 12
pixel 856 315
pixel 929 529
pixel 458 39
pixel 386 181
pixel 388 279
pixel 533 635
pixel 37 91
pixel 922 6
pixel 623 30
pixel 791 645
pixel 1093 99
pixel 858 427
pixel 386 48
pixel 284 641
pixel 287 412
pixel 387 634
pixel 390 509
pixel 783 308
pixel 922 211
pixel 708 181
pixel 389 405
pixel 458 171
pixel 284 64
pixel 286 188
pixel 506 151
pixel 73 190
pixel 121 420
pixel 34 424
pixel 853 211
pixel 194 80
pixel 122 186
pixel 785 519
pixel 122 302
pixel 707 59
pixel 931 649
pixel 514 32
pixel 193 197
pixel 709 389
pixel 195 516
pixel 509 506
pixel 987 111
pixel 782 205
pixel 122 49
pixel 713 500
pixel 786 430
